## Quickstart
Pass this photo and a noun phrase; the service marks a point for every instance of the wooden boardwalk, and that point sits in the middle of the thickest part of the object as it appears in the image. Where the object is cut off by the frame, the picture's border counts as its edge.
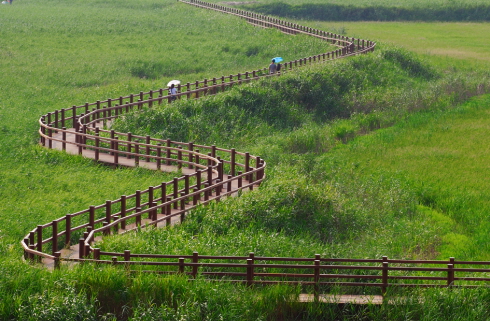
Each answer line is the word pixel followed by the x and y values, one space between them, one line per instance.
pixel 248 175
pixel 74 251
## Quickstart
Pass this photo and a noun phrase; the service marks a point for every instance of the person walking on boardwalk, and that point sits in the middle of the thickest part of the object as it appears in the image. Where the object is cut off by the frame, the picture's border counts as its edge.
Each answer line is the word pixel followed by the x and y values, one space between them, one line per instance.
pixel 172 91
pixel 272 67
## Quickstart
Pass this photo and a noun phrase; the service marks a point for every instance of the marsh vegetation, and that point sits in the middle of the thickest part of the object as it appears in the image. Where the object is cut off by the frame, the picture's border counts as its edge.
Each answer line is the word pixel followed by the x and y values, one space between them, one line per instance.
pixel 375 155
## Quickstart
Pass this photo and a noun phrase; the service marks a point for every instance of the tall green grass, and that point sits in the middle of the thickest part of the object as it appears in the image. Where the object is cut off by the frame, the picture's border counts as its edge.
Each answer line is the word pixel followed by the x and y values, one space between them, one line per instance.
pixel 57 53
pixel 375 10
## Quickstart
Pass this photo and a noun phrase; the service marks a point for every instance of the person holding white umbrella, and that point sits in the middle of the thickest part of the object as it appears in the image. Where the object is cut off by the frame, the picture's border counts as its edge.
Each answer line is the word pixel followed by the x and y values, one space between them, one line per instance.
pixel 172 91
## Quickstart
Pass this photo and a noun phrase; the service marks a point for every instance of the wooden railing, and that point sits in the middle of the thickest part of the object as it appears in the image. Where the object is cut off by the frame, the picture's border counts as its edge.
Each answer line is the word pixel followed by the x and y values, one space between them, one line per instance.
pixel 211 173
pixel 317 273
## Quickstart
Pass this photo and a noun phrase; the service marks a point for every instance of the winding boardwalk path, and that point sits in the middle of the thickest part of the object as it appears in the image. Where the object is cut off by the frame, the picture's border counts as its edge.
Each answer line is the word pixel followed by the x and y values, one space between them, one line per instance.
pixel 73 252
pixel 209 173
pixel 82 130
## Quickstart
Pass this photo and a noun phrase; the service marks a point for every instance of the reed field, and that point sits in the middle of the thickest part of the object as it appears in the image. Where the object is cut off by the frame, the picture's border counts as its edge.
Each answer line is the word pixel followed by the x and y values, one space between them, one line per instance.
pixel 377 10
pixel 383 154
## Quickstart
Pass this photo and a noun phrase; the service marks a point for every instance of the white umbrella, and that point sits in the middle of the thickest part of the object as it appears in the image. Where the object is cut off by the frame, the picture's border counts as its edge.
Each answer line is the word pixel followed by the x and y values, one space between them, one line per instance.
pixel 173 82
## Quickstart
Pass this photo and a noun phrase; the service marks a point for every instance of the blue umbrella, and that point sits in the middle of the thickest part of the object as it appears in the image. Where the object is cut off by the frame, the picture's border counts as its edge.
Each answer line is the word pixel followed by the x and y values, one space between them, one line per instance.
pixel 277 59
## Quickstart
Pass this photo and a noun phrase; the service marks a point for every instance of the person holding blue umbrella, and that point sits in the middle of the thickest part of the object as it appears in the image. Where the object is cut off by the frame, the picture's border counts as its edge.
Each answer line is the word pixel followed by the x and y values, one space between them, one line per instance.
pixel 272 67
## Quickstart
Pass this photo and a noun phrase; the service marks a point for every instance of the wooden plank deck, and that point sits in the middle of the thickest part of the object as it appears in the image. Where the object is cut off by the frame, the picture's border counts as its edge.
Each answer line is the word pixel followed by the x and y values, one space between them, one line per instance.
pixel 343 299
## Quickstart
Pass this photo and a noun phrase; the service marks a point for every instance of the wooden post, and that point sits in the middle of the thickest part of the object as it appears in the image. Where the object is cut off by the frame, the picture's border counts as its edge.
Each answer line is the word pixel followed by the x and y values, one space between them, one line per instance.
pixel 210 175
pixel 316 292
pixel 63 138
pixel 232 161
pixel 175 190
pixel 91 216
pixel 153 214
pixel 67 230
pixel 113 134
pixel 182 208
pixel 450 272
pixel 147 149
pixel 137 153
pixel 195 260
pixel 179 158
pixel 163 198
pixel 108 212
pixel 191 158
pixel 150 201
pixel 63 117
pixel 220 169
pixel 128 148
pixel 186 184
pixel 168 151
pixel 81 248
pixel 218 188
pixel 39 246
pixel 229 183
pixel 138 217
pixel 196 196
pixel 116 148
pixel 250 272
pixel 55 237
pixel 74 116
pixel 206 192
pixel 123 212
pixel 168 220
pixel 97 144
pixel 80 141
pixel 159 156
pixel 384 285
pixel 57 256
pixel 247 165
pixel 181 265
pixel 197 161
pixel 258 164
pixel 138 198
pixel 127 256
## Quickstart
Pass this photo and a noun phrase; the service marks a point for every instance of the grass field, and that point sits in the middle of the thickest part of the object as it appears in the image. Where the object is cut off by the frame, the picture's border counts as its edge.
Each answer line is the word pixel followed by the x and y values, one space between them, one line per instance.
pixel 449 45
pixel 365 3
pixel 377 10
pixel 94 51
pixel 425 175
